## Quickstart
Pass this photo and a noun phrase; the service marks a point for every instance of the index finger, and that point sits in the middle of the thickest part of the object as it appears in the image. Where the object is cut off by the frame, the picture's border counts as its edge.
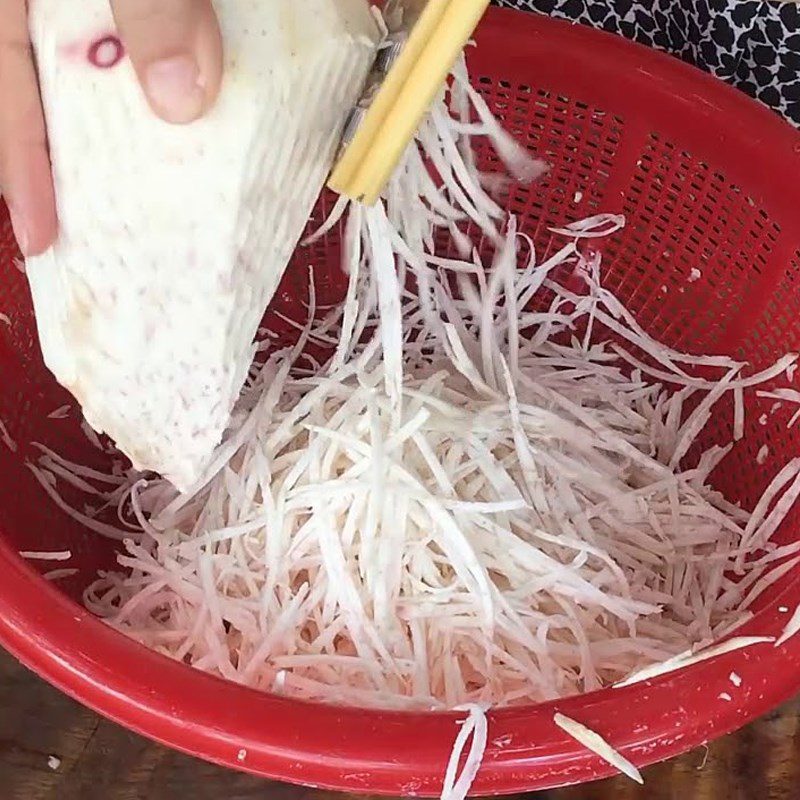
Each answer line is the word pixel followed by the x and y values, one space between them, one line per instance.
pixel 25 175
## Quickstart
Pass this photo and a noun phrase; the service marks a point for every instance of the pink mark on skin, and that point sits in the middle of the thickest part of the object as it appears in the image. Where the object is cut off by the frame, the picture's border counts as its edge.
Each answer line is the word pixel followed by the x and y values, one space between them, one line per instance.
pixel 106 52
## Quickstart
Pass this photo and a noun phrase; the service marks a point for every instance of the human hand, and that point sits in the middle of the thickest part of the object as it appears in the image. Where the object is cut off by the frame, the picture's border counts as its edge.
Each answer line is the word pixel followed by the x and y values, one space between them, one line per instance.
pixel 176 51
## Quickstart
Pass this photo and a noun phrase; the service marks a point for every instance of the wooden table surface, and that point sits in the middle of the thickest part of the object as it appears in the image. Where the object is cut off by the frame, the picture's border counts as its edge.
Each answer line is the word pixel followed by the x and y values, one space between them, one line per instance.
pixel 101 761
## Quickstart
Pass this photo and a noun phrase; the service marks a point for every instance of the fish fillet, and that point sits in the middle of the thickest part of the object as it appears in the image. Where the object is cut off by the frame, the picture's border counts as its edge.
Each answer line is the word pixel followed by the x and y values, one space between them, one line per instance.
pixel 173 238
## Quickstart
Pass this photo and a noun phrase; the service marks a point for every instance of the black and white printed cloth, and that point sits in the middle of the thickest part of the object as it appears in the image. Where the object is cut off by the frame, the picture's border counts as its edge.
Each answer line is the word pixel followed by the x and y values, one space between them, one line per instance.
pixel 752 44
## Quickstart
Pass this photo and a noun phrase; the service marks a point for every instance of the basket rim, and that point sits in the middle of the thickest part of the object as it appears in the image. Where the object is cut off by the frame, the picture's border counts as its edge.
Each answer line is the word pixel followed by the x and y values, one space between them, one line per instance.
pixel 386 752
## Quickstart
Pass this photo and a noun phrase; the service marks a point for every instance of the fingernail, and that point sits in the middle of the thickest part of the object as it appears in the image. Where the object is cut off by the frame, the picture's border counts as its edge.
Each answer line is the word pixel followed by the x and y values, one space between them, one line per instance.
pixel 20 231
pixel 175 88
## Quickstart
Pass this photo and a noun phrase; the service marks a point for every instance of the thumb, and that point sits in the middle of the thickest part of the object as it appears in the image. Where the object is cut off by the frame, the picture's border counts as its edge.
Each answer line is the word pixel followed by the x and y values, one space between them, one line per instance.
pixel 176 50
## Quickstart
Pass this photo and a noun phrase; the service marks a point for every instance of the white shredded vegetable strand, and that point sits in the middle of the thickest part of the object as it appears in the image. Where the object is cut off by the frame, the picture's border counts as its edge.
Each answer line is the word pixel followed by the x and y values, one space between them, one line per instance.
pixel 792 628
pixel 687 659
pixel 59 574
pixel 474 728
pixel 41 555
pixel 5 438
pixel 598 745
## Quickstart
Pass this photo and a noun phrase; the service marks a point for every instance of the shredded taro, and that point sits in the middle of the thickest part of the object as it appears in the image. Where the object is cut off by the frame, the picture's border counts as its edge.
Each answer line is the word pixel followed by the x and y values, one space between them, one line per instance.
pixel 492 492
pixel 594 742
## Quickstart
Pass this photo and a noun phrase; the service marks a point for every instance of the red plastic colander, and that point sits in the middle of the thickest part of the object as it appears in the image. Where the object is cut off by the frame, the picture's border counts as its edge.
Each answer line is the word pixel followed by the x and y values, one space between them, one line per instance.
pixel 708 181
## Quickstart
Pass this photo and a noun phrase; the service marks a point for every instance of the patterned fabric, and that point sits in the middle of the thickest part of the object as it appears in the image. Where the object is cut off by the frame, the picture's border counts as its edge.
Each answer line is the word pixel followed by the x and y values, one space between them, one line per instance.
pixel 752 44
